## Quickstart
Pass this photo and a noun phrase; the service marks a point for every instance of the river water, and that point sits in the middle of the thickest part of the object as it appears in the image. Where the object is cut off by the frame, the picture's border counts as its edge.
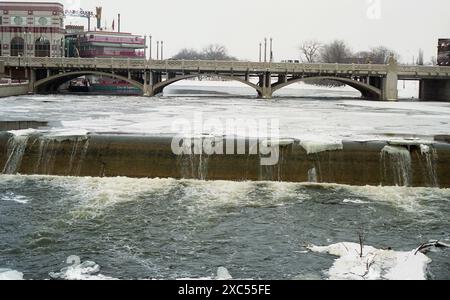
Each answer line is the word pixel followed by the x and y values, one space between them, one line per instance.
pixel 175 229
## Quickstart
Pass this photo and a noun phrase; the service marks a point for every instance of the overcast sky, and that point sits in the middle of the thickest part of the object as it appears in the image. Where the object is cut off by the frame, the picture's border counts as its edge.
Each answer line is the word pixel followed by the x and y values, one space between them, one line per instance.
pixel 403 25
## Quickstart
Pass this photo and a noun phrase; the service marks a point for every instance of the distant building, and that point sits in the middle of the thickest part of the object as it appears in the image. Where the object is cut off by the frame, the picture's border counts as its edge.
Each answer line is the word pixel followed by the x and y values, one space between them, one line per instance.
pixel 32 29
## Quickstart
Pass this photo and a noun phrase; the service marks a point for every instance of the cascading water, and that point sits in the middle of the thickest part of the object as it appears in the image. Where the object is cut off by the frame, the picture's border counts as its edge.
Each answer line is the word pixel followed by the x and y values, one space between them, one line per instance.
pixel 16 149
pixel 47 155
pixel 194 162
pixel 83 154
pixel 429 153
pixel 396 165
pixel 312 175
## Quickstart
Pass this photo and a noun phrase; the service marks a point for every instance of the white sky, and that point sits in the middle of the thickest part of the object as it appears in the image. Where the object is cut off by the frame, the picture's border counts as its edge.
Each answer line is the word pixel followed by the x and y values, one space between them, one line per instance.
pixel 403 25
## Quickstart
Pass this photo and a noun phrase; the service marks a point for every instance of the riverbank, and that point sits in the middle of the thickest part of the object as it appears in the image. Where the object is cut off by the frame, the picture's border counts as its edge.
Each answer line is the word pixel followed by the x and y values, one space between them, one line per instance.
pixel 13 89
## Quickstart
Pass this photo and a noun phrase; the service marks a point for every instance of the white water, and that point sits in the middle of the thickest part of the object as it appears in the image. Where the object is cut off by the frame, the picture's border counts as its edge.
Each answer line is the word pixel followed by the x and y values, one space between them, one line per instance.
pixel 10 196
pixel 87 270
pixel 374 264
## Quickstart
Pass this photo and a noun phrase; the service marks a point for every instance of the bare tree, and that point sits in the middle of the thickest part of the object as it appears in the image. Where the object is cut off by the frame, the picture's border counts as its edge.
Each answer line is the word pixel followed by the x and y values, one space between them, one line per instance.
pixel 216 52
pixel 189 54
pixel 381 54
pixel 310 51
pixel 336 52
pixel 211 52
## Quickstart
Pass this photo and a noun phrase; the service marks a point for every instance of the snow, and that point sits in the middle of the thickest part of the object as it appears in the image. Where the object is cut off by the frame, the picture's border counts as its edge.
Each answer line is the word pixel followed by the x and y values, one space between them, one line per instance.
pixel 8 274
pixel 313 147
pixel 374 264
pixel 321 123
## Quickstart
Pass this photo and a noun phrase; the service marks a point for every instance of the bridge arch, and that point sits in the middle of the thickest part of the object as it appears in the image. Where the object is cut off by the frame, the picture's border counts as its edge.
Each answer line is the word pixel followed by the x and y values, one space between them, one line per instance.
pixel 366 90
pixel 158 88
pixel 51 83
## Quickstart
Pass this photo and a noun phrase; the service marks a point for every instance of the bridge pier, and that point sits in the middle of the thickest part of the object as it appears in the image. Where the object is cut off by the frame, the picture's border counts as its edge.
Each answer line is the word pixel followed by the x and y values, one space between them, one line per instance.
pixel 31 81
pixel 435 90
pixel 265 82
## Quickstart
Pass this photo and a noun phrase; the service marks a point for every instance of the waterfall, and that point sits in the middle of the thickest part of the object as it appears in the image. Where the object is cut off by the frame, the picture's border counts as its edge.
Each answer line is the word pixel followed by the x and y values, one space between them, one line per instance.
pixel 194 162
pixel 396 165
pixel 16 149
pixel 429 153
pixel 46 157
pixel 83 155
pixel 312 175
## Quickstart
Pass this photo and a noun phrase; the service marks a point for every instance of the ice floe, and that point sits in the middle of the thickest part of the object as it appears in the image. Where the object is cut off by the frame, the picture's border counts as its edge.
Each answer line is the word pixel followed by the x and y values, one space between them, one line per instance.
pixel 374 264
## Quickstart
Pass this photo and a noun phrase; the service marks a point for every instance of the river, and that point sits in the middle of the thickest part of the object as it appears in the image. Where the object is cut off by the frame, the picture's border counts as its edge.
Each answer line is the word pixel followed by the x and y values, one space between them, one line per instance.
pixel 121 228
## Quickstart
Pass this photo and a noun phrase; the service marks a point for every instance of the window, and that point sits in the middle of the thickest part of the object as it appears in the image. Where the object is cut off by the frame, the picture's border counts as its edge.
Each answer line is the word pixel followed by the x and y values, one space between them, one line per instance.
pixel 17 46
pixel 42 47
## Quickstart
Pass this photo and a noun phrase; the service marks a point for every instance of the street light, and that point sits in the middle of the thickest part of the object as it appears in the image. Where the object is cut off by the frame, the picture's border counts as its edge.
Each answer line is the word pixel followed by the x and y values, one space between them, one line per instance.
pixel 150 47
pixel 265 49
pixel 260 52
pixel 271 50
pixel 157 50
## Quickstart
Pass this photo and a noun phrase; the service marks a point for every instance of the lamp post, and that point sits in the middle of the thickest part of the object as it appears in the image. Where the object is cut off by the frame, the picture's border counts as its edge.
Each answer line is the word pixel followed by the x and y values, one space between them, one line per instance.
pixel 271 50
pixel 145 47
pixel 150 47
pixel 162 50
pixel 260 52
pixel 157 50
pixel 265 49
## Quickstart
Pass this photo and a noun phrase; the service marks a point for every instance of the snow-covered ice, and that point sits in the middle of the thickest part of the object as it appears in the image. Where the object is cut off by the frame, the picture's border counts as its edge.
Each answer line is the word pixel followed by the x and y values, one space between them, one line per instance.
pixel 374 264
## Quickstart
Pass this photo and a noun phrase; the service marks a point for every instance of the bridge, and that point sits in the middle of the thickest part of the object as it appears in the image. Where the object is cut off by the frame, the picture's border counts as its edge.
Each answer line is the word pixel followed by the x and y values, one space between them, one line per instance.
pixel 374 81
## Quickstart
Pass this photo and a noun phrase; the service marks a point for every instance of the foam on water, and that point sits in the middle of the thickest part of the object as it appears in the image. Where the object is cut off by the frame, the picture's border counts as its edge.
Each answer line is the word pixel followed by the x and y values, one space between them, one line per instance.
pixel 87 270
pixel 8 274
pixel 374 264
pixel 355 201
pixel 10 196
pixel 98 194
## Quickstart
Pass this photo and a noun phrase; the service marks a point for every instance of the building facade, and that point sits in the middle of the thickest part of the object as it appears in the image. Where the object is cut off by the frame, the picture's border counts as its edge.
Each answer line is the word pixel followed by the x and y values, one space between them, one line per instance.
pixel 31 29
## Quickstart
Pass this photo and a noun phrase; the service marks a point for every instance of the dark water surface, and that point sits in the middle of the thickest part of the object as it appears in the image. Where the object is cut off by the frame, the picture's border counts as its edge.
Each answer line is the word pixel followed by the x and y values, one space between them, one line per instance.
pixel 170 229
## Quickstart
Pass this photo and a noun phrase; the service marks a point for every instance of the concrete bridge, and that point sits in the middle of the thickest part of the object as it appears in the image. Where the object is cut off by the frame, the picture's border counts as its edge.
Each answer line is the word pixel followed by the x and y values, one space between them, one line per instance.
pixel 377 82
